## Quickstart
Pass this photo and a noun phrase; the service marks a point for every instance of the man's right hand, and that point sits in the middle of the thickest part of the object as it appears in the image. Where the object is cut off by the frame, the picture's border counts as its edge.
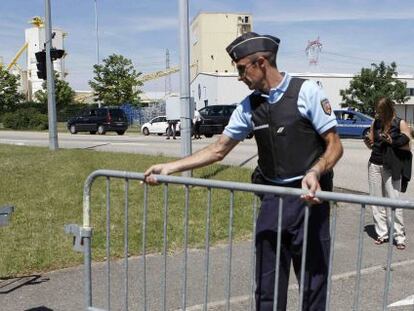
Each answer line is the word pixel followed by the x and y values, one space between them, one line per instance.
pixel 162 169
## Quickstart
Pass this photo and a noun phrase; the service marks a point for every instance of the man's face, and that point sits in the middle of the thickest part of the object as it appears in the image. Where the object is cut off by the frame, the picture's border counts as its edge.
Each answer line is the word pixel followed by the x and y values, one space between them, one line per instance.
pixel 249 72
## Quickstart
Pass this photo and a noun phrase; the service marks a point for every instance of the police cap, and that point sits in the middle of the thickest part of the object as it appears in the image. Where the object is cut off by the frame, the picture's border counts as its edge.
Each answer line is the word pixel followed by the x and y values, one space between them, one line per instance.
pixel 250 43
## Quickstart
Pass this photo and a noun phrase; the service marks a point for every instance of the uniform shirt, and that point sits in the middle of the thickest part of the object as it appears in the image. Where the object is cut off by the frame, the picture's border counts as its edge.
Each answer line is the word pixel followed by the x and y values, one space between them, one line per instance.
pixel 311 103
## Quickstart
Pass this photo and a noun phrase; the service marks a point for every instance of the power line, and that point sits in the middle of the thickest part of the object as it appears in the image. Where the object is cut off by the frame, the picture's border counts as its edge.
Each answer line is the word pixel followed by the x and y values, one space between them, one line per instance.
pixel 361 58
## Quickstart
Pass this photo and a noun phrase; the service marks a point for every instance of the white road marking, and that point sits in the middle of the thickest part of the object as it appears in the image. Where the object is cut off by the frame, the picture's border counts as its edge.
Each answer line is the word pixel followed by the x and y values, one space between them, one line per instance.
pixel 243 299
pixel 404 302
pixel 128 143
pixel 13 141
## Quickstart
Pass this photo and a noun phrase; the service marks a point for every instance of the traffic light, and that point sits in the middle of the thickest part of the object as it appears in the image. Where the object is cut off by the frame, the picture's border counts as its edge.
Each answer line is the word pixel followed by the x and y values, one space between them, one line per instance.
pixel 41 64
pixel 41 61
pixel 56 53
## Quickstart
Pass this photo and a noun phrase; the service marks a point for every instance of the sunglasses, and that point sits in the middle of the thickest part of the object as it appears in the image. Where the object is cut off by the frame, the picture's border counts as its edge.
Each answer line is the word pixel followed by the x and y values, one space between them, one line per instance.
pixel 242 69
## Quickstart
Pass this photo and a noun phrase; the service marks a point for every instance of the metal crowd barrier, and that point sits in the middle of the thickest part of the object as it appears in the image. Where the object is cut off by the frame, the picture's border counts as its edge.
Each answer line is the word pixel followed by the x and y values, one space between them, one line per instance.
pixel 82 237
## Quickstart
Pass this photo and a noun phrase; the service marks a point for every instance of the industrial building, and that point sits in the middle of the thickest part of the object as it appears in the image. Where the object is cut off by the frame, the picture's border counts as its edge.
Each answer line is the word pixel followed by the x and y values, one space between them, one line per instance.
pixel 210 33
pixel 214 78
pixel 35 42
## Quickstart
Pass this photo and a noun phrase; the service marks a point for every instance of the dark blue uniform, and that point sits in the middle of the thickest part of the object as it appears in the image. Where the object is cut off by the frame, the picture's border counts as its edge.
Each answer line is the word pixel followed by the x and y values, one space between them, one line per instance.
pixel 316 269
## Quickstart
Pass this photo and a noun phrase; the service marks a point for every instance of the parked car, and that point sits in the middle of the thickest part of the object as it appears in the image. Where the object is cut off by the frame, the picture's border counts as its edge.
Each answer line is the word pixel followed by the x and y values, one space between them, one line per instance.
pixel 99 120
pixel 214 119
pixel 352 123
pixel 157 125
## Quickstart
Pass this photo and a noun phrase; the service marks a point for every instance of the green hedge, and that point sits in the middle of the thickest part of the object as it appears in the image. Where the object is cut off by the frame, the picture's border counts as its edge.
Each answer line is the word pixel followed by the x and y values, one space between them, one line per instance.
pixel 25 119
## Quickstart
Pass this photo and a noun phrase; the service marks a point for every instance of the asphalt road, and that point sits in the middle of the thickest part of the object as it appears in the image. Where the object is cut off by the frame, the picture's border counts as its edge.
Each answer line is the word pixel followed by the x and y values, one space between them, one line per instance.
pixel 350 172
pixel 63 289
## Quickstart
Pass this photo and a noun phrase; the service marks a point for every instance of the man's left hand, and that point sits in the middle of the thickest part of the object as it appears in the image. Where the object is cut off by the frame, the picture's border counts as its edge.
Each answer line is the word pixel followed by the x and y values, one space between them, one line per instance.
pixel 311 183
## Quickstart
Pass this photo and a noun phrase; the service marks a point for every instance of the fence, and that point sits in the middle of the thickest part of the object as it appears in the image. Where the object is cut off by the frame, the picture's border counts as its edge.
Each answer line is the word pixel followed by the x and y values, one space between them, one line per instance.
pixel 83 243
pixel 140 115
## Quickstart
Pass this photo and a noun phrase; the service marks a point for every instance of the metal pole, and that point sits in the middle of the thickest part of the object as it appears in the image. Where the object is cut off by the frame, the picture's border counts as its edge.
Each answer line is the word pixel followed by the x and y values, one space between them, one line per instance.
pixel 97 32
pixel 185 81
pixel 97 38
pixel 51 103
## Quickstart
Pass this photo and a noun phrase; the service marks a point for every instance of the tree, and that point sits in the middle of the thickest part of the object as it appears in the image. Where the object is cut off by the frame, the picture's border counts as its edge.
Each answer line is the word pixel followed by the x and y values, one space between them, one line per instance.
pixel 10 97
pixel 372 83
pixel 116 81
pixel 64 94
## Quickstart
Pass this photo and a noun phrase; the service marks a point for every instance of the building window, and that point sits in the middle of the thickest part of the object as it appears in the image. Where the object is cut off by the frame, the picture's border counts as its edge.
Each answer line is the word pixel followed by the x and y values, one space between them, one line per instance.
pixel 410 91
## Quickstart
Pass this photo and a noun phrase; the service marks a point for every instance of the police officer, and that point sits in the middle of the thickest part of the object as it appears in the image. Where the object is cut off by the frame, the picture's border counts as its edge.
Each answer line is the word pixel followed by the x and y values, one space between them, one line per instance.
pixel 298 146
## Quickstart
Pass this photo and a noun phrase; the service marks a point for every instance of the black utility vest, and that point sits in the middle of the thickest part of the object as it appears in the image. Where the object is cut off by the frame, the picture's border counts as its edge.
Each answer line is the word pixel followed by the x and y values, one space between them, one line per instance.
pixel 287 143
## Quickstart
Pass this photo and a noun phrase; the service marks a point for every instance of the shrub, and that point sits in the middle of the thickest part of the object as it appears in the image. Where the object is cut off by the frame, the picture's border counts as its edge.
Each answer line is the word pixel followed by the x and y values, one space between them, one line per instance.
pixel 25 119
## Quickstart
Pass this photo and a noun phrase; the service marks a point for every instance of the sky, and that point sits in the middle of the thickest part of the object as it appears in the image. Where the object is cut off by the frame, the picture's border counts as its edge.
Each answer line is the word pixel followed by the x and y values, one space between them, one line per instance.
pixel 353 33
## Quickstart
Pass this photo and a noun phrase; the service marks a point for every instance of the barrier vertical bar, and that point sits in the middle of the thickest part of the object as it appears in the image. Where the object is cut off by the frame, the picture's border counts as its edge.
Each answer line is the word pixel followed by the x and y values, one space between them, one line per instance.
pixel 144 243
pixel 359 257
pixel 207 250
pixel 108 243
pixel 87 243
pixel 277 262
pixel 126 244
pixel 88 271
pixel 331 257
pixel 230 251
pixel 389 260
pixel 184 293
pixel 253 257
pixel 303 263
pixel 164 278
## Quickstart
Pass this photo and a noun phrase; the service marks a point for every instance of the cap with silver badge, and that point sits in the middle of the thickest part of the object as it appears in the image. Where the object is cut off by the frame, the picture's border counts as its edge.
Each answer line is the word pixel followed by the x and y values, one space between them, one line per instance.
pixel 250 43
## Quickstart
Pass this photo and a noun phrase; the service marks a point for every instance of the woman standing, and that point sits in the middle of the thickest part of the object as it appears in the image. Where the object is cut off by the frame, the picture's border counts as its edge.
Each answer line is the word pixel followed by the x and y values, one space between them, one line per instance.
pixel 389 168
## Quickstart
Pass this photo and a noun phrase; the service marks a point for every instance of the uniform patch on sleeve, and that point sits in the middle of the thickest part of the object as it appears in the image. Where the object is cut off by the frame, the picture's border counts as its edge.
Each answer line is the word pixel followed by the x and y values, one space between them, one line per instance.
pixel 326 106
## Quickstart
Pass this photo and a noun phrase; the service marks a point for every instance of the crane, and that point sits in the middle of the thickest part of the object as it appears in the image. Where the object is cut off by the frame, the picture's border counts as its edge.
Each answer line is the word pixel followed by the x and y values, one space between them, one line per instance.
pixel 159 74
pixel 145 78
pixel 16 57
pixel 37 21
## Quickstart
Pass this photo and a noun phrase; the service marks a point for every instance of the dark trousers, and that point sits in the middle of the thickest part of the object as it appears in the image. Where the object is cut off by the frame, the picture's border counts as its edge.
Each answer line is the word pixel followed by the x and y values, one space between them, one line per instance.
pixel 317 257
pixel 197 129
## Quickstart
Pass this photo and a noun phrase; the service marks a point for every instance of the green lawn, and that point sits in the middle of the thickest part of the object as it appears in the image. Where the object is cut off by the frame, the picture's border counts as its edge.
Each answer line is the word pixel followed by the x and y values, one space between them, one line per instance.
pixel 46 188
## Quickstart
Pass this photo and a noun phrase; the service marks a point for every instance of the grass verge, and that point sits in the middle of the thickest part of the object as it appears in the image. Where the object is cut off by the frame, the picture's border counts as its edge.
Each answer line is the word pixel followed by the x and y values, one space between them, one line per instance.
pixel 46 188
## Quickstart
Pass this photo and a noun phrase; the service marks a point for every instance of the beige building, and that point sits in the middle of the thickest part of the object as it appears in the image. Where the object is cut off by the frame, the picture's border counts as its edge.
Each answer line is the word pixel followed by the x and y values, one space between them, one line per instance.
pixel 210 34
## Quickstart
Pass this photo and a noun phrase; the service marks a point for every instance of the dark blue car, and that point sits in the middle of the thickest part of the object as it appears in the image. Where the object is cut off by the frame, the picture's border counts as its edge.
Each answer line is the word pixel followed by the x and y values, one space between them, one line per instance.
pixel 352 123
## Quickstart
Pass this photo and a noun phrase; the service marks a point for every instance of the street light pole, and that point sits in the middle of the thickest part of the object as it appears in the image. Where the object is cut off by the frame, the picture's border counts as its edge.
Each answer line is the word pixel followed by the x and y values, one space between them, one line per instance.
pixel 97 32
pixel 185 131
pixel 50 76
